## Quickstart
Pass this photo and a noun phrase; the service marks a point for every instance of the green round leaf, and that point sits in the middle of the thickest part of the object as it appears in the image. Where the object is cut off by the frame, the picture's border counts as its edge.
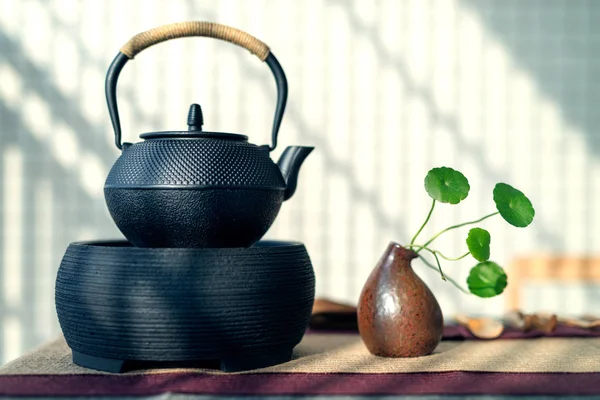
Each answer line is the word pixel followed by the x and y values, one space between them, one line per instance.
pixel 446 185
pixel 513 205
pixel 487 279
pixel 478 242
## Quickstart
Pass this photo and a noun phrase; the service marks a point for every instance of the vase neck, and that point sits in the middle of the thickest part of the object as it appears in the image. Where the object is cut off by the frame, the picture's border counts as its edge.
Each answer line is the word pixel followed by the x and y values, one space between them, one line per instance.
pixel 395 252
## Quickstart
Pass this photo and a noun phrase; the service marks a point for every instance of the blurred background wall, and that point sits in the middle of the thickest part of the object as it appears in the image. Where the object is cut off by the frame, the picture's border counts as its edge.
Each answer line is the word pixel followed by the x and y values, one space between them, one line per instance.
pixel 385 90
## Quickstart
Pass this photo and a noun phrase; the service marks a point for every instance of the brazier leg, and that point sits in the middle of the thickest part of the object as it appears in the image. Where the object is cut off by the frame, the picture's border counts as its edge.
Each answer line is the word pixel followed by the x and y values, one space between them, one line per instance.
pixel 244 362
pixel 98 363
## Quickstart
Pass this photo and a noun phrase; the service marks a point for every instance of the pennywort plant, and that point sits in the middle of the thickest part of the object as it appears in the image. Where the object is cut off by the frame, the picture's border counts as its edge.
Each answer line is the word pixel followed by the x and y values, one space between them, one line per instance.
pixel 446 185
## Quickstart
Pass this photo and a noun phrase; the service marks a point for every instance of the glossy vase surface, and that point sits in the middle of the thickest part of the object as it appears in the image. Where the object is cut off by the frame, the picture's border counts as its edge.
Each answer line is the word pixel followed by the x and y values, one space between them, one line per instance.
pixel 398 316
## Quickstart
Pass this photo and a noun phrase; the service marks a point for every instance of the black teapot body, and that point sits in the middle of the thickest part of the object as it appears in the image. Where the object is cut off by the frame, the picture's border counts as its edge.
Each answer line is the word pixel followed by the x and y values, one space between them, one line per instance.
pixel 194 188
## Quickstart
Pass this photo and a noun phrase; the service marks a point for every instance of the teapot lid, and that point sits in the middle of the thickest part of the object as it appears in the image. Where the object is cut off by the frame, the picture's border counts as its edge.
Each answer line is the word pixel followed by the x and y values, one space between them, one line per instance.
pixel 195 122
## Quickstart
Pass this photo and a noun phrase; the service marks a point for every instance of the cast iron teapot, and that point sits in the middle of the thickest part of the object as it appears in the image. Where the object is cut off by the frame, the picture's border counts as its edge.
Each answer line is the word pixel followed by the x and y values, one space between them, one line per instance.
pixel 196 188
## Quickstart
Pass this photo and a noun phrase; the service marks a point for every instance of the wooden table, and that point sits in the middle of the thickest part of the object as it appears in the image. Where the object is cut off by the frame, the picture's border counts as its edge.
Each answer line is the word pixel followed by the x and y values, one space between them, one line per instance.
pixel 337 364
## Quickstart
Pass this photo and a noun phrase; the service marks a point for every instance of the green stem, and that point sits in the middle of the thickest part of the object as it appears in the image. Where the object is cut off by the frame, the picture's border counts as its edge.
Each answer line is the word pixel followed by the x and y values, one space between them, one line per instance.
pixel 452 281
pixel 439 253
pixel 424 223
pixel 458 226
pixel 453 259
pixel 437 260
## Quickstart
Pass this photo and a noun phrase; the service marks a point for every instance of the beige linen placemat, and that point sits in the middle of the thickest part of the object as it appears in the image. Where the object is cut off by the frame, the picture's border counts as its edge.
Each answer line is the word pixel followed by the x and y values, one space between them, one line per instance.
pixel 344 353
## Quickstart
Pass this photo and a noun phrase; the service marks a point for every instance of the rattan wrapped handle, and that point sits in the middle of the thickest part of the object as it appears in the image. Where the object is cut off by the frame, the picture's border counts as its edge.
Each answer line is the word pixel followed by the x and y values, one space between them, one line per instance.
pixel 163 33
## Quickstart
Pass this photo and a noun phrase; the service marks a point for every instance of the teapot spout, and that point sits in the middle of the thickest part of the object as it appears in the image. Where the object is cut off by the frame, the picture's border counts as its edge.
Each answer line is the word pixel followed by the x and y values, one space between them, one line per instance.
pixel 289 164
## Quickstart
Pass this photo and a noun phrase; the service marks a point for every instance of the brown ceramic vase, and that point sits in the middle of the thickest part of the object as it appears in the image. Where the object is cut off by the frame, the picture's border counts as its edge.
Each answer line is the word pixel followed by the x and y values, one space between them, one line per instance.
pixel 398 316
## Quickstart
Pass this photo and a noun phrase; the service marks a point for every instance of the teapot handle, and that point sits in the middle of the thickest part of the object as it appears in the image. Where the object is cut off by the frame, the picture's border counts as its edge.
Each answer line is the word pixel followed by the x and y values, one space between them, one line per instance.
pixel 163 33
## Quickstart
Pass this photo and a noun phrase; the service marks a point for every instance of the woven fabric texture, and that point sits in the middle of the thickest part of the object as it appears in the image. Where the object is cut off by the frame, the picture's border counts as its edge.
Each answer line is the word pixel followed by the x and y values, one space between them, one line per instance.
pixel 345 353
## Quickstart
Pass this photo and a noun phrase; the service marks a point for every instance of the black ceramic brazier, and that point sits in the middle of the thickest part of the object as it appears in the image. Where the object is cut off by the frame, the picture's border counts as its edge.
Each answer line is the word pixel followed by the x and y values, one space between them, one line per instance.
pixel 121 307
pixel 195 188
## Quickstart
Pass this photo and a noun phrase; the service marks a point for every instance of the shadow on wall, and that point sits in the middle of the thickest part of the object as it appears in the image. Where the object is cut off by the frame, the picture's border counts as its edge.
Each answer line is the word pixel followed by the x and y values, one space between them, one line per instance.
pixel 45 201
pixel 450 121
pixel 551 39
pixel 53 208
pixel 557 42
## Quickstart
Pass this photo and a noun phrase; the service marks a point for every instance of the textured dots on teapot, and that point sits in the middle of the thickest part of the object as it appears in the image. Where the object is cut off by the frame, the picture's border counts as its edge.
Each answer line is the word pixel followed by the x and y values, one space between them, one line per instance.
pixel 195 162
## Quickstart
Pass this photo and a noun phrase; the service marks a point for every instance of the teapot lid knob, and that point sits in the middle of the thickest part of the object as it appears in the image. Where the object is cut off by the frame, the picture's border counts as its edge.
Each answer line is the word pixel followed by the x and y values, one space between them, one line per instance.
pixel 195 119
